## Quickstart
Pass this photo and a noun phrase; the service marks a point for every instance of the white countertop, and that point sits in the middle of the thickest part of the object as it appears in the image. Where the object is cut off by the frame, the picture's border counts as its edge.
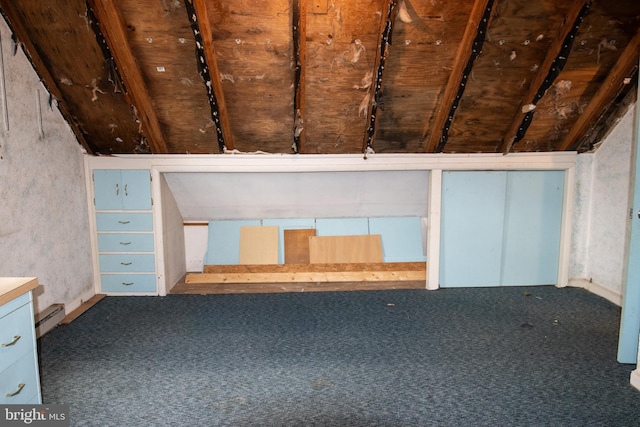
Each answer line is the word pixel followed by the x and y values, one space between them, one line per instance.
pixel 13 287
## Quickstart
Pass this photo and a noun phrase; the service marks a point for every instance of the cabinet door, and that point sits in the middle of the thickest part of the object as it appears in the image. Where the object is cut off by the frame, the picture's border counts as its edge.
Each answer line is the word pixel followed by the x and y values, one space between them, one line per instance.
pixel 472 223
pixel 107 188
pixel 122 189
pixel 136 190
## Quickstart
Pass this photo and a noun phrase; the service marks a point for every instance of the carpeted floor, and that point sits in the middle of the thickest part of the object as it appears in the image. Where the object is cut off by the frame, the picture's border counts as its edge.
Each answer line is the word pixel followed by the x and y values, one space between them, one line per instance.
pixel 538 356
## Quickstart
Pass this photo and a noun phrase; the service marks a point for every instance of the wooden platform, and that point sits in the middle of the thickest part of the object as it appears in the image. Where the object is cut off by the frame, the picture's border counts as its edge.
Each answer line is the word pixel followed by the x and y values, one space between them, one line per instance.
pixel 222 279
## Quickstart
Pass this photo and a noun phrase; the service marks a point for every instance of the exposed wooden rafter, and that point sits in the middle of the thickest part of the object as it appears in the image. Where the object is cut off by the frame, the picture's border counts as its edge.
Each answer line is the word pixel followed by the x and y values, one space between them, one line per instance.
pixel 19 30
pixel 388 15
pixel 551 66
pixel 209 67
pixel 470 46
pixel 300 55
pixel 609 89
pixel 115 34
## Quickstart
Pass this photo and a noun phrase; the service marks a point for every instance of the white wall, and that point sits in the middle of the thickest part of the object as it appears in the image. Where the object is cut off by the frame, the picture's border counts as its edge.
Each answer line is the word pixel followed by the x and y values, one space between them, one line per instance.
pixel 44 229
pixel 601 213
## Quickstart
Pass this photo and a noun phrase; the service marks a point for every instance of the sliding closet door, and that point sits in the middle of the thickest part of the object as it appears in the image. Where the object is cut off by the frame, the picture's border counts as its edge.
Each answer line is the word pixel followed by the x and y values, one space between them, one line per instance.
pixel 472 224
pixel 500 228
pixel 533 218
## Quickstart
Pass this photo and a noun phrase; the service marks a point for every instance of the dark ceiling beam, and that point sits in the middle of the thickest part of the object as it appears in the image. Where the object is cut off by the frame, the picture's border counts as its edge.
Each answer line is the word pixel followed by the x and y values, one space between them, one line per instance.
pixel 115 34
pixel 470 47
pixel 552 64
pixel 19 30
pixel 208 66
pixel 388 15
pixel 608 90
pixel 300 55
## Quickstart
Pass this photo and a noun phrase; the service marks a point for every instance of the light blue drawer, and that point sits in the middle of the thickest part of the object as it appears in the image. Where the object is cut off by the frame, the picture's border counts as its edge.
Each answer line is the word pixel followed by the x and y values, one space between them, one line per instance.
pixel 19 382
pixel 127 263
pixel 128 282
pixel 16 335
pixel 107 221
pixel 14 304
pixel 120 242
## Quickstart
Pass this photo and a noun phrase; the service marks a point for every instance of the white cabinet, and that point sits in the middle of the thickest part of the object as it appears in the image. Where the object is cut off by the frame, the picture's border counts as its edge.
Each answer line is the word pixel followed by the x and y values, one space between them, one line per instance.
pixel 19 377
pixel 500 227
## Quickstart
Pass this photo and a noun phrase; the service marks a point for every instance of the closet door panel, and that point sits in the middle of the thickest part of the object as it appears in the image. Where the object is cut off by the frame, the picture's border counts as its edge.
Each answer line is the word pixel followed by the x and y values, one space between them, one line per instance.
pixel 473 204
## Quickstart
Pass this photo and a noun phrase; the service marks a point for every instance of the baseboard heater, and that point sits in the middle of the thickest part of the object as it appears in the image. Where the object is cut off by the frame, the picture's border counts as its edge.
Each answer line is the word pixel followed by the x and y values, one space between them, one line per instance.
pixel 48 319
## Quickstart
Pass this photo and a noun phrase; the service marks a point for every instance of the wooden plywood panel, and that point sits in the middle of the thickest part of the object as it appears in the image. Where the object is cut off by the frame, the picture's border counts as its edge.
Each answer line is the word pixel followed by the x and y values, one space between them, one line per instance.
pixel 296 246
pixel 345 249
pixel 258 245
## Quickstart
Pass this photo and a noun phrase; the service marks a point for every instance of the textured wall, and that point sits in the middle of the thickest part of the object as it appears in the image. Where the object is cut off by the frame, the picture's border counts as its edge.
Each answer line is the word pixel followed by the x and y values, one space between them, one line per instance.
pixel 601 209
pixel 44 229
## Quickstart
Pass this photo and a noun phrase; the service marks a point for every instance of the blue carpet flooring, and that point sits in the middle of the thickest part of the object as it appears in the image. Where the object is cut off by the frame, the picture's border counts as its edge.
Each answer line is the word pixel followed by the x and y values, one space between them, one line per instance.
pixel 538 356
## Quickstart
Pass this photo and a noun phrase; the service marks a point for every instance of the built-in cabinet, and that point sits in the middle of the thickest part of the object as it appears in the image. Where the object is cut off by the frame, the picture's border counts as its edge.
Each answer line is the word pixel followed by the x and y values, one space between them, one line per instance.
pixel 125 231
pixel 19 375
pixel 488 220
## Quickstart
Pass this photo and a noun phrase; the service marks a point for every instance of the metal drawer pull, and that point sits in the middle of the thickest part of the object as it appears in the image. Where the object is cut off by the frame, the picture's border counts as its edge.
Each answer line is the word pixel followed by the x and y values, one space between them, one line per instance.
pixel 124 222
pixel 126 263
pixel 127 284
pixel 125 243
pixel 17 392
pixel 117 190
pixel 125 190
pixel 9 344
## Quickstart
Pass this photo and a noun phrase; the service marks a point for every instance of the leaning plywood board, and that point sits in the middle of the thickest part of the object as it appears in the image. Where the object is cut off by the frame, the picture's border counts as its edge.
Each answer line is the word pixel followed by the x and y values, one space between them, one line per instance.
pixel 345 249
pixel 296 245
pixel 258 245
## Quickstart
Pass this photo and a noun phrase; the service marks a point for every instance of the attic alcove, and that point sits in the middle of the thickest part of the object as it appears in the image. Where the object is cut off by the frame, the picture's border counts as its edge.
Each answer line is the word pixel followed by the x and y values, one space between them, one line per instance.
pixel 201 197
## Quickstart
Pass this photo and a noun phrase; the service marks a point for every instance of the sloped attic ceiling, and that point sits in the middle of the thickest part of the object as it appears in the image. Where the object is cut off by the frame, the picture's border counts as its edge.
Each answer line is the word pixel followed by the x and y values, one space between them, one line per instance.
pixel 333 76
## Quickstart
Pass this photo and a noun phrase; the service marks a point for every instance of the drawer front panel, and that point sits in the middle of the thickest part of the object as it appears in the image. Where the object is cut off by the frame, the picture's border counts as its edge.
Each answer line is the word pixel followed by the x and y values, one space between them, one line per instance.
pixel 19 382
pixel 16 336
pixel 14 304
pixel 127 263
pixel 107 221
pixel 128 282
pixel 120 242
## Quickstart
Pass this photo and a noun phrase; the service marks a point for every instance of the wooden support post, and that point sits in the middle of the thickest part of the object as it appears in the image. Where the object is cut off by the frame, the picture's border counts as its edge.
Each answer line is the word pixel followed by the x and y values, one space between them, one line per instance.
pixel 300 55
pixel 470 47
pixel 201 26
pixel 115 34
pixel 386 30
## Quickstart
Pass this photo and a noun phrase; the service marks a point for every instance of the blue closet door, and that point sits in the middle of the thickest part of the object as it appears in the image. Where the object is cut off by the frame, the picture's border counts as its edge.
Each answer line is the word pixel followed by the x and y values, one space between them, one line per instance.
pixel 533 219
pixel 471 230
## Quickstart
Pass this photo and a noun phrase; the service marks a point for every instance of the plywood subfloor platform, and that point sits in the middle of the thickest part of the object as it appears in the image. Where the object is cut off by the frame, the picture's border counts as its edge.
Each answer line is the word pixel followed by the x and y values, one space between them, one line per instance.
pixel 303 278
pixel 262 288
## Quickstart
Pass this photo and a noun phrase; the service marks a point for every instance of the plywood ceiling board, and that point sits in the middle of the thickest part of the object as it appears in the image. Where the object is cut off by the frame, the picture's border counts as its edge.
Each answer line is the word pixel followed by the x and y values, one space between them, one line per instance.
pixel 515 46
pixel 345 249
pixel 411 85
pixel 296 246
pixel 259 245
pixel 254 55
pixel 164 46
pixel 341 52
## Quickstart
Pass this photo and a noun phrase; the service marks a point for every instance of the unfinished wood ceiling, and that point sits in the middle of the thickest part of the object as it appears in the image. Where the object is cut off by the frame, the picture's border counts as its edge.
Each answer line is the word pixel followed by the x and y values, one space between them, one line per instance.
pixel 333 76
